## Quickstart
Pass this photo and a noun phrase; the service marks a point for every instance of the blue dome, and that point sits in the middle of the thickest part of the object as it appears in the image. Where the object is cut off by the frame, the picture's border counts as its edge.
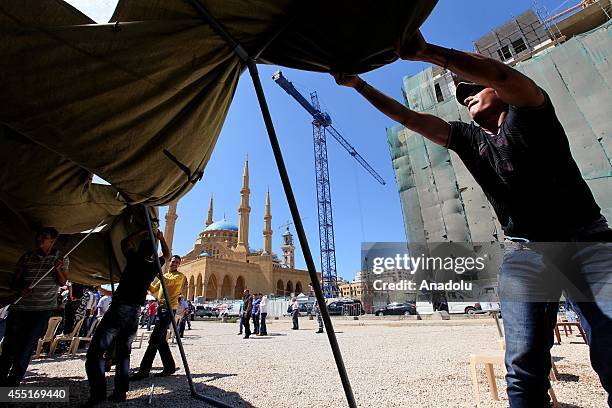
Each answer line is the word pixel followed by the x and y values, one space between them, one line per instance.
pixel 221 225
pixel 204 253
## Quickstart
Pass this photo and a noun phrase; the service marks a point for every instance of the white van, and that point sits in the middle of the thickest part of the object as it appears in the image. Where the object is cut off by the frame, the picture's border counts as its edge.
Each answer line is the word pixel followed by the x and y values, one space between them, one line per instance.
pixel 458 303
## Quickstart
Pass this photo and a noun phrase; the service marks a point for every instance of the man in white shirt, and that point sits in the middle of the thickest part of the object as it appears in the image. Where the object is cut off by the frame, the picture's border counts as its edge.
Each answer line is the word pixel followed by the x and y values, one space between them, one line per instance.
pixel 295 313
pixel 181 310
pixel 104 304
pixel 263 312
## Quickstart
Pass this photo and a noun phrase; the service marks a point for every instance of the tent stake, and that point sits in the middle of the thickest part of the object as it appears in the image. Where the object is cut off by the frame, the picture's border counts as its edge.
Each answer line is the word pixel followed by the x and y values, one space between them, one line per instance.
pixel 179 341
pixel 240 51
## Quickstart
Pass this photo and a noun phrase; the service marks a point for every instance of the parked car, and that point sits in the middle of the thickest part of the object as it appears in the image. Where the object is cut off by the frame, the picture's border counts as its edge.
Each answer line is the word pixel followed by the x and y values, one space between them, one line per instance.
pixel 405 309
pixel 306 308
pixel 454 303
pixel 346 307
pixel 206 311
pixel 230 309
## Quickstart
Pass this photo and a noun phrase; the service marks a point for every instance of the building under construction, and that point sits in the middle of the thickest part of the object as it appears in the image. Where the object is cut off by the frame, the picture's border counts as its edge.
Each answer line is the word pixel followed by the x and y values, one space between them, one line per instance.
pixel 569 55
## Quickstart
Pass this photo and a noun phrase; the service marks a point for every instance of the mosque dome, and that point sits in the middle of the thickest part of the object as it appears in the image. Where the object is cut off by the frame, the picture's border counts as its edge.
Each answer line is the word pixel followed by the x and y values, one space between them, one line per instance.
pixel 221 226
pixel 204 253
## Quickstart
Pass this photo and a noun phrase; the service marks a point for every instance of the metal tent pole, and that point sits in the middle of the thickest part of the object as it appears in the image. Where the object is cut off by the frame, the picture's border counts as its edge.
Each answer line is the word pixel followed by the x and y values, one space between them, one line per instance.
pixel 179 342
pixel 295 214
pixel 280 163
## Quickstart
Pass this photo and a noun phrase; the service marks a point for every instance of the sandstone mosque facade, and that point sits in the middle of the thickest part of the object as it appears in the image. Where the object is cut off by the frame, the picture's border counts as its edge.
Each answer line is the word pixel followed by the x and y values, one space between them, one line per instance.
pixel 221 263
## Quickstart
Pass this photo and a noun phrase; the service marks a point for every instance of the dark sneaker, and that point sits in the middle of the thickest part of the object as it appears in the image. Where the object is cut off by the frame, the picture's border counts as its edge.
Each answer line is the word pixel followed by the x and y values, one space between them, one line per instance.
pixel 319 331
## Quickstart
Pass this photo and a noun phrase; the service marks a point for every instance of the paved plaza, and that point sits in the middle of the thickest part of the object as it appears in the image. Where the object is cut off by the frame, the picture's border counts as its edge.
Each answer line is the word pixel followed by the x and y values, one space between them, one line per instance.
pixel 391 363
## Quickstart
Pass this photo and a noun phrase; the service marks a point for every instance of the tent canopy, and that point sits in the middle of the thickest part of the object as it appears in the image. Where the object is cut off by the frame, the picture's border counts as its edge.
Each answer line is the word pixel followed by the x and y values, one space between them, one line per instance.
pixel 141 101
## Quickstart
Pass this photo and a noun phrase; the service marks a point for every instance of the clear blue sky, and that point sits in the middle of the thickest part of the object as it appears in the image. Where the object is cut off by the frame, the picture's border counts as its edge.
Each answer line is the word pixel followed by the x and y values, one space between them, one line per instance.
pixel 363 209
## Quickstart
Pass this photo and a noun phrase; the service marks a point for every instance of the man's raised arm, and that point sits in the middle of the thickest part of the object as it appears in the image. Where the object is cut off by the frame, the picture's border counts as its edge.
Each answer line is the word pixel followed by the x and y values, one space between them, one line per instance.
pixel 166 254
pixel 511 86
pixel 432 127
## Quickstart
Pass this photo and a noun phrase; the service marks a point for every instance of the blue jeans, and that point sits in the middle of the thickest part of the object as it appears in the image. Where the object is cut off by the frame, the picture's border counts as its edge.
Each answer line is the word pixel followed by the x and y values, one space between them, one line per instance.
pixel 255 323
pixel 532 279
pixel 150 322
pixel 23 329
pixel 158 342
pixel 120 324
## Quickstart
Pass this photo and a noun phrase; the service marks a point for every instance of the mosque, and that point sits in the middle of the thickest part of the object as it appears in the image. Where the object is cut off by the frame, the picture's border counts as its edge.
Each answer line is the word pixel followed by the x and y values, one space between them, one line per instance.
pixel 222 264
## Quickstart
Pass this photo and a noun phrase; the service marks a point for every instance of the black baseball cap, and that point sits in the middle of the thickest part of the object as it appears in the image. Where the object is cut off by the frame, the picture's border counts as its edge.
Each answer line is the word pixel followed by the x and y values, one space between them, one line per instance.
pixel 465 89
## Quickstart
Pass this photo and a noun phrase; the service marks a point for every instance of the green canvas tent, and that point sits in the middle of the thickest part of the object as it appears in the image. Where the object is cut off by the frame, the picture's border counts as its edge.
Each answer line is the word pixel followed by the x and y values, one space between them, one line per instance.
pixel 140 102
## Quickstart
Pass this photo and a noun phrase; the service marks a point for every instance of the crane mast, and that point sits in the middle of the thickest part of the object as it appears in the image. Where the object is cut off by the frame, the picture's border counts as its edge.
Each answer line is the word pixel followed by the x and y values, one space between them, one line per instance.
pixel 321 125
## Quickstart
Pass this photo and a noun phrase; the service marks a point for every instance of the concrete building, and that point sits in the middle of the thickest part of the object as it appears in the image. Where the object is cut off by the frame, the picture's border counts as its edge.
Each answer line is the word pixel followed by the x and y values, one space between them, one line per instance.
pixel 222 263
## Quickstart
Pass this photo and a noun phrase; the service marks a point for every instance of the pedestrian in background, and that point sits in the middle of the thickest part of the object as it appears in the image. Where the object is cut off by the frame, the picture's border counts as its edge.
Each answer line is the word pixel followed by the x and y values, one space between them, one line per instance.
pixel 295 313
pixel 240 322
pixel 247 301
pixel 152 314
pixel 255 313
pixel 263 312
pixel 317 310
pixel 191 312
pixel 182 311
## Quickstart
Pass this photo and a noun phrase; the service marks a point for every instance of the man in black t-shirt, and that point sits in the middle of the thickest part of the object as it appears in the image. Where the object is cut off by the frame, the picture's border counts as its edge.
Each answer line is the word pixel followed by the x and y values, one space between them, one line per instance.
pixel 519 154
pixel 120 322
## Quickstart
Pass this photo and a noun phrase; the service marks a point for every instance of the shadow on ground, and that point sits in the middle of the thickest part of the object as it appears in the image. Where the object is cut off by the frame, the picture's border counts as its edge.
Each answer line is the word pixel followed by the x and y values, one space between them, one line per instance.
pixel 568 377
pixel 167 391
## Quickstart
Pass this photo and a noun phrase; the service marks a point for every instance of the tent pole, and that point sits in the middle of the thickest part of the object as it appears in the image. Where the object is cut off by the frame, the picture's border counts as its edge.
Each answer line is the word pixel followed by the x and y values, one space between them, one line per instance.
pixel 241 52
pixel 297 220
pixel 179 342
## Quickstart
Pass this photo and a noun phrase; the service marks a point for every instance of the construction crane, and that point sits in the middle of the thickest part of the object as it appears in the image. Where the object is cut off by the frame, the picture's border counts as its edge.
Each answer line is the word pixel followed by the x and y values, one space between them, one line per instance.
pixel 321 125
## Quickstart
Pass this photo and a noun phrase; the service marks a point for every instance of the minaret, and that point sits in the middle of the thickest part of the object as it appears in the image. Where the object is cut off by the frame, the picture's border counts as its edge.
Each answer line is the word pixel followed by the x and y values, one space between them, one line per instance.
pixel 244 212
pixel 267 232
pixel 170 224
pixel 288 249
pixel 209 220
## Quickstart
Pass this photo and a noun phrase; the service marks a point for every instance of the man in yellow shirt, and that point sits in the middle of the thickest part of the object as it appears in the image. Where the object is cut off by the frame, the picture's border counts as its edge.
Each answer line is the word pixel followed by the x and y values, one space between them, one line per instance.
pixel 157 342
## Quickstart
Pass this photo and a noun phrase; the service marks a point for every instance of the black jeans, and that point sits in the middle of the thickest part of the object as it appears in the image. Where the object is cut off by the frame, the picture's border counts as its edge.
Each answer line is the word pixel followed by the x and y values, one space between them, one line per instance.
pixel 182 324
pixel 247 327
pixel 263 330
pixel 158 342
pixel 295 315
pixel 120 324
pixel 23 329
pixel 69 312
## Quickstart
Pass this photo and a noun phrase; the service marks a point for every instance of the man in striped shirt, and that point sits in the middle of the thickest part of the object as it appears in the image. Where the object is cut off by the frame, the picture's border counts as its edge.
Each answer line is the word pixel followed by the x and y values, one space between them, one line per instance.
pixel 28 319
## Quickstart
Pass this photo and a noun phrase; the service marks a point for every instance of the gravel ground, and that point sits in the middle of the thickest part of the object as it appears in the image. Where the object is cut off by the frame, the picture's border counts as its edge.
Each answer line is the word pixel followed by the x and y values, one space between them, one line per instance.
pixel 391 363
